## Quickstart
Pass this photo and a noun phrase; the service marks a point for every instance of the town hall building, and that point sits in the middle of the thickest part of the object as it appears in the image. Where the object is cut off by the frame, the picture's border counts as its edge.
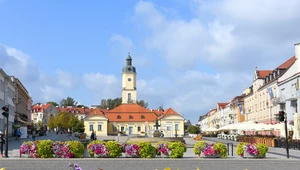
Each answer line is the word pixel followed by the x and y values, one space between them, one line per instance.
pixel 131 118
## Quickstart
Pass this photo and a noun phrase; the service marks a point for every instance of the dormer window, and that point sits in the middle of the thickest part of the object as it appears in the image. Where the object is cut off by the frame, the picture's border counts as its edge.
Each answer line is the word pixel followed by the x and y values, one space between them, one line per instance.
pixel 118 117
pixel 142 117
pixel 130 117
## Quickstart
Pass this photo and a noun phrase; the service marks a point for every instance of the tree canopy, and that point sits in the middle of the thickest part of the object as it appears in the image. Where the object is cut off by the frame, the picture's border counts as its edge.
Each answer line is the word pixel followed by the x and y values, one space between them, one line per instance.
pixel 194 129
pixel 69 101
pixel 53 103
pixel 112 103
pixel 66 120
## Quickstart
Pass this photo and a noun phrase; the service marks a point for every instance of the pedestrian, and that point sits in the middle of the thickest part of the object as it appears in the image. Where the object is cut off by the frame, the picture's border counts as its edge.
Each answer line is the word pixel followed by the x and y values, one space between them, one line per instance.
pixel 1 143
pixel 93 136
pixel 33 134
pixel 19 134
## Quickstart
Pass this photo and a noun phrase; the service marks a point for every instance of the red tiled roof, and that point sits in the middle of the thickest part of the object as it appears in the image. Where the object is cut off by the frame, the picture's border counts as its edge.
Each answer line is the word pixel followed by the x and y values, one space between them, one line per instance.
pixel 170 111
pixel 131 117
pixel 130 113
pixel 132 108
pixel 74 109
pixel 97 111
pixel 222 105
pixel 40 108
pixel 288 63
pixel 263 73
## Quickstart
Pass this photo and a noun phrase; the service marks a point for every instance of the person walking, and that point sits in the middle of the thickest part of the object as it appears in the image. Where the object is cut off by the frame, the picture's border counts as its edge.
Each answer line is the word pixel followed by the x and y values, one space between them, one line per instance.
pixel 19 134
pixel 93 136
pixel 33 134
pixel 1 143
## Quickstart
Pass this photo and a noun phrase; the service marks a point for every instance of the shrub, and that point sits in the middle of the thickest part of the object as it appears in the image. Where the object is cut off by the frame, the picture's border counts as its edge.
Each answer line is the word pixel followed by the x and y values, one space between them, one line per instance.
pixel 146 150
pixel 199 147
pixel 114 149
pixel 89 147
pixel 44 148
pixel 77 148
pixel 162 147
pixel 30 148
pixel 221 148
pixel 261 148
pixel 194 129
pixel 239 149
pixel 177 149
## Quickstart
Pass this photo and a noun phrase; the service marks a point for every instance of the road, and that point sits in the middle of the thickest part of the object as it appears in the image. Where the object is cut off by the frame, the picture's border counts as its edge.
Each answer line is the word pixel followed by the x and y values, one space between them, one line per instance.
pixel 149 164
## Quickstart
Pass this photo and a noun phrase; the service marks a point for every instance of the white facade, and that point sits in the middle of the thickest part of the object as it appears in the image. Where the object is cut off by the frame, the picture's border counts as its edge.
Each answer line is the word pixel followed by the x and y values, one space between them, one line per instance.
pixel 226 113
pixel 6 98
pixel 288 88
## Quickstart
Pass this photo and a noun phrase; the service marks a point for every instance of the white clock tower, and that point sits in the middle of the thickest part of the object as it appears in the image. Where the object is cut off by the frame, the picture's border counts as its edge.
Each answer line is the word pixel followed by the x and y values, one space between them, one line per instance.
pixel 129 82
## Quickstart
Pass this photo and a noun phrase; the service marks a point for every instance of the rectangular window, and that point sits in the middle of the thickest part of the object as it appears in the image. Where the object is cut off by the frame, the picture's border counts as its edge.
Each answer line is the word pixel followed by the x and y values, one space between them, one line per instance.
pixel 81 117
pixel 168 128
pixel 122 128
pixel 91 127
pixel 176 127
pixel 99 127
pixel 139 128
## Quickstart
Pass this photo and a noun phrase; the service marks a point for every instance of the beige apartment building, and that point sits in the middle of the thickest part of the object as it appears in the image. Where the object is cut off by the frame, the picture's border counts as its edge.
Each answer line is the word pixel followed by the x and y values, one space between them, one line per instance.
pixel 260 103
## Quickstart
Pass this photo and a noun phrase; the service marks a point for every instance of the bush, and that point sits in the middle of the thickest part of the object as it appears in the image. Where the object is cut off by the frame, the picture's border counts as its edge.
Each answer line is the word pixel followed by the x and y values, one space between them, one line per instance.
pixel 114 149
pixel 221 148
pixel 194 130
pixel 262 149
pixel 239 149
pixel 218 147
pixel 77 148
pixel 44 149
pixel 199 146
pixel 91 152
pixel 146 150
pixel 177 149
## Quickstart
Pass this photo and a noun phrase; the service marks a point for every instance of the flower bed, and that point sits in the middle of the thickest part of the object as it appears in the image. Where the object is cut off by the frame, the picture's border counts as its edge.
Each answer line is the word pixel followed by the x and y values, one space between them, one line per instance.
pixel 131 150
pixel 110 149
pixel 251 150
pixel 29 149
pixel 49 149
pixel 163 149
pixel 214 150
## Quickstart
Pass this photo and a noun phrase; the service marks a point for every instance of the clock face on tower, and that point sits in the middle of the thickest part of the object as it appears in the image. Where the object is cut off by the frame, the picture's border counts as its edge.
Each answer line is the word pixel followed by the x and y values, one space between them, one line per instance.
pixel 129 79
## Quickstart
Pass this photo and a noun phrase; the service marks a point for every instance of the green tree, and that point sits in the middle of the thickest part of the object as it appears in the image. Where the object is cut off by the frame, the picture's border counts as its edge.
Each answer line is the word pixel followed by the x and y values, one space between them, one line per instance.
pixel 39 124
pixel 80 126
pixel 53 103
pixel 73 122
pixel 63 119
pixel 142 103
pixel 69 101
pixel 52 122
pixel 194 129
pixel 112 103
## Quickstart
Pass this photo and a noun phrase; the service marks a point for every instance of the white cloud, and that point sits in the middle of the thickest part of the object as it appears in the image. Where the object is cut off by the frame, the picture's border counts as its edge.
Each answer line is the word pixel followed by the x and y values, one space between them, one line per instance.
pixel 120 45
pixel 66 79
pixel 102 86
pixel 48 93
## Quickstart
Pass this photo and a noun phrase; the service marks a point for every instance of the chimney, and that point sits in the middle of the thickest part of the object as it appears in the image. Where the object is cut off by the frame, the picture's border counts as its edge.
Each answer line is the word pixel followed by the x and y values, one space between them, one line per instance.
pixel 297 50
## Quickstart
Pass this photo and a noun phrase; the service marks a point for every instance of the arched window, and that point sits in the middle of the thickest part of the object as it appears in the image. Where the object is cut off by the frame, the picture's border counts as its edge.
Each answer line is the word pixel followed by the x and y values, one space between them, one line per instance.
pixel 129 96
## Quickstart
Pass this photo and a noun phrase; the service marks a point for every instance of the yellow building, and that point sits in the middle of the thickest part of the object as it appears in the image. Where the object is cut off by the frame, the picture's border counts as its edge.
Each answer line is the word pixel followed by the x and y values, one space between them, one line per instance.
pixel 131 118
pixel 96 121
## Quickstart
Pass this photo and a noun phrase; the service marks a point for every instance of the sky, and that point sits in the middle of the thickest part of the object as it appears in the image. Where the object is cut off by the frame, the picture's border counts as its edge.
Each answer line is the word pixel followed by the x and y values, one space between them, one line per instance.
pixel 189 54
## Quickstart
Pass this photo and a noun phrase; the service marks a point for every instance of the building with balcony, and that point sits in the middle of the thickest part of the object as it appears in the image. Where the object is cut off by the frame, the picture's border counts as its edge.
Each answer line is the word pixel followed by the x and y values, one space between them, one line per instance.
pixel 288 88
pixel 43 112
pixel 7 93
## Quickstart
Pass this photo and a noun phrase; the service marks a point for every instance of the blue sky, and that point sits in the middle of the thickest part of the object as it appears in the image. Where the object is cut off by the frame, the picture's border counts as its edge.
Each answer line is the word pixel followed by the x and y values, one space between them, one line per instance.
pixel 189 54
